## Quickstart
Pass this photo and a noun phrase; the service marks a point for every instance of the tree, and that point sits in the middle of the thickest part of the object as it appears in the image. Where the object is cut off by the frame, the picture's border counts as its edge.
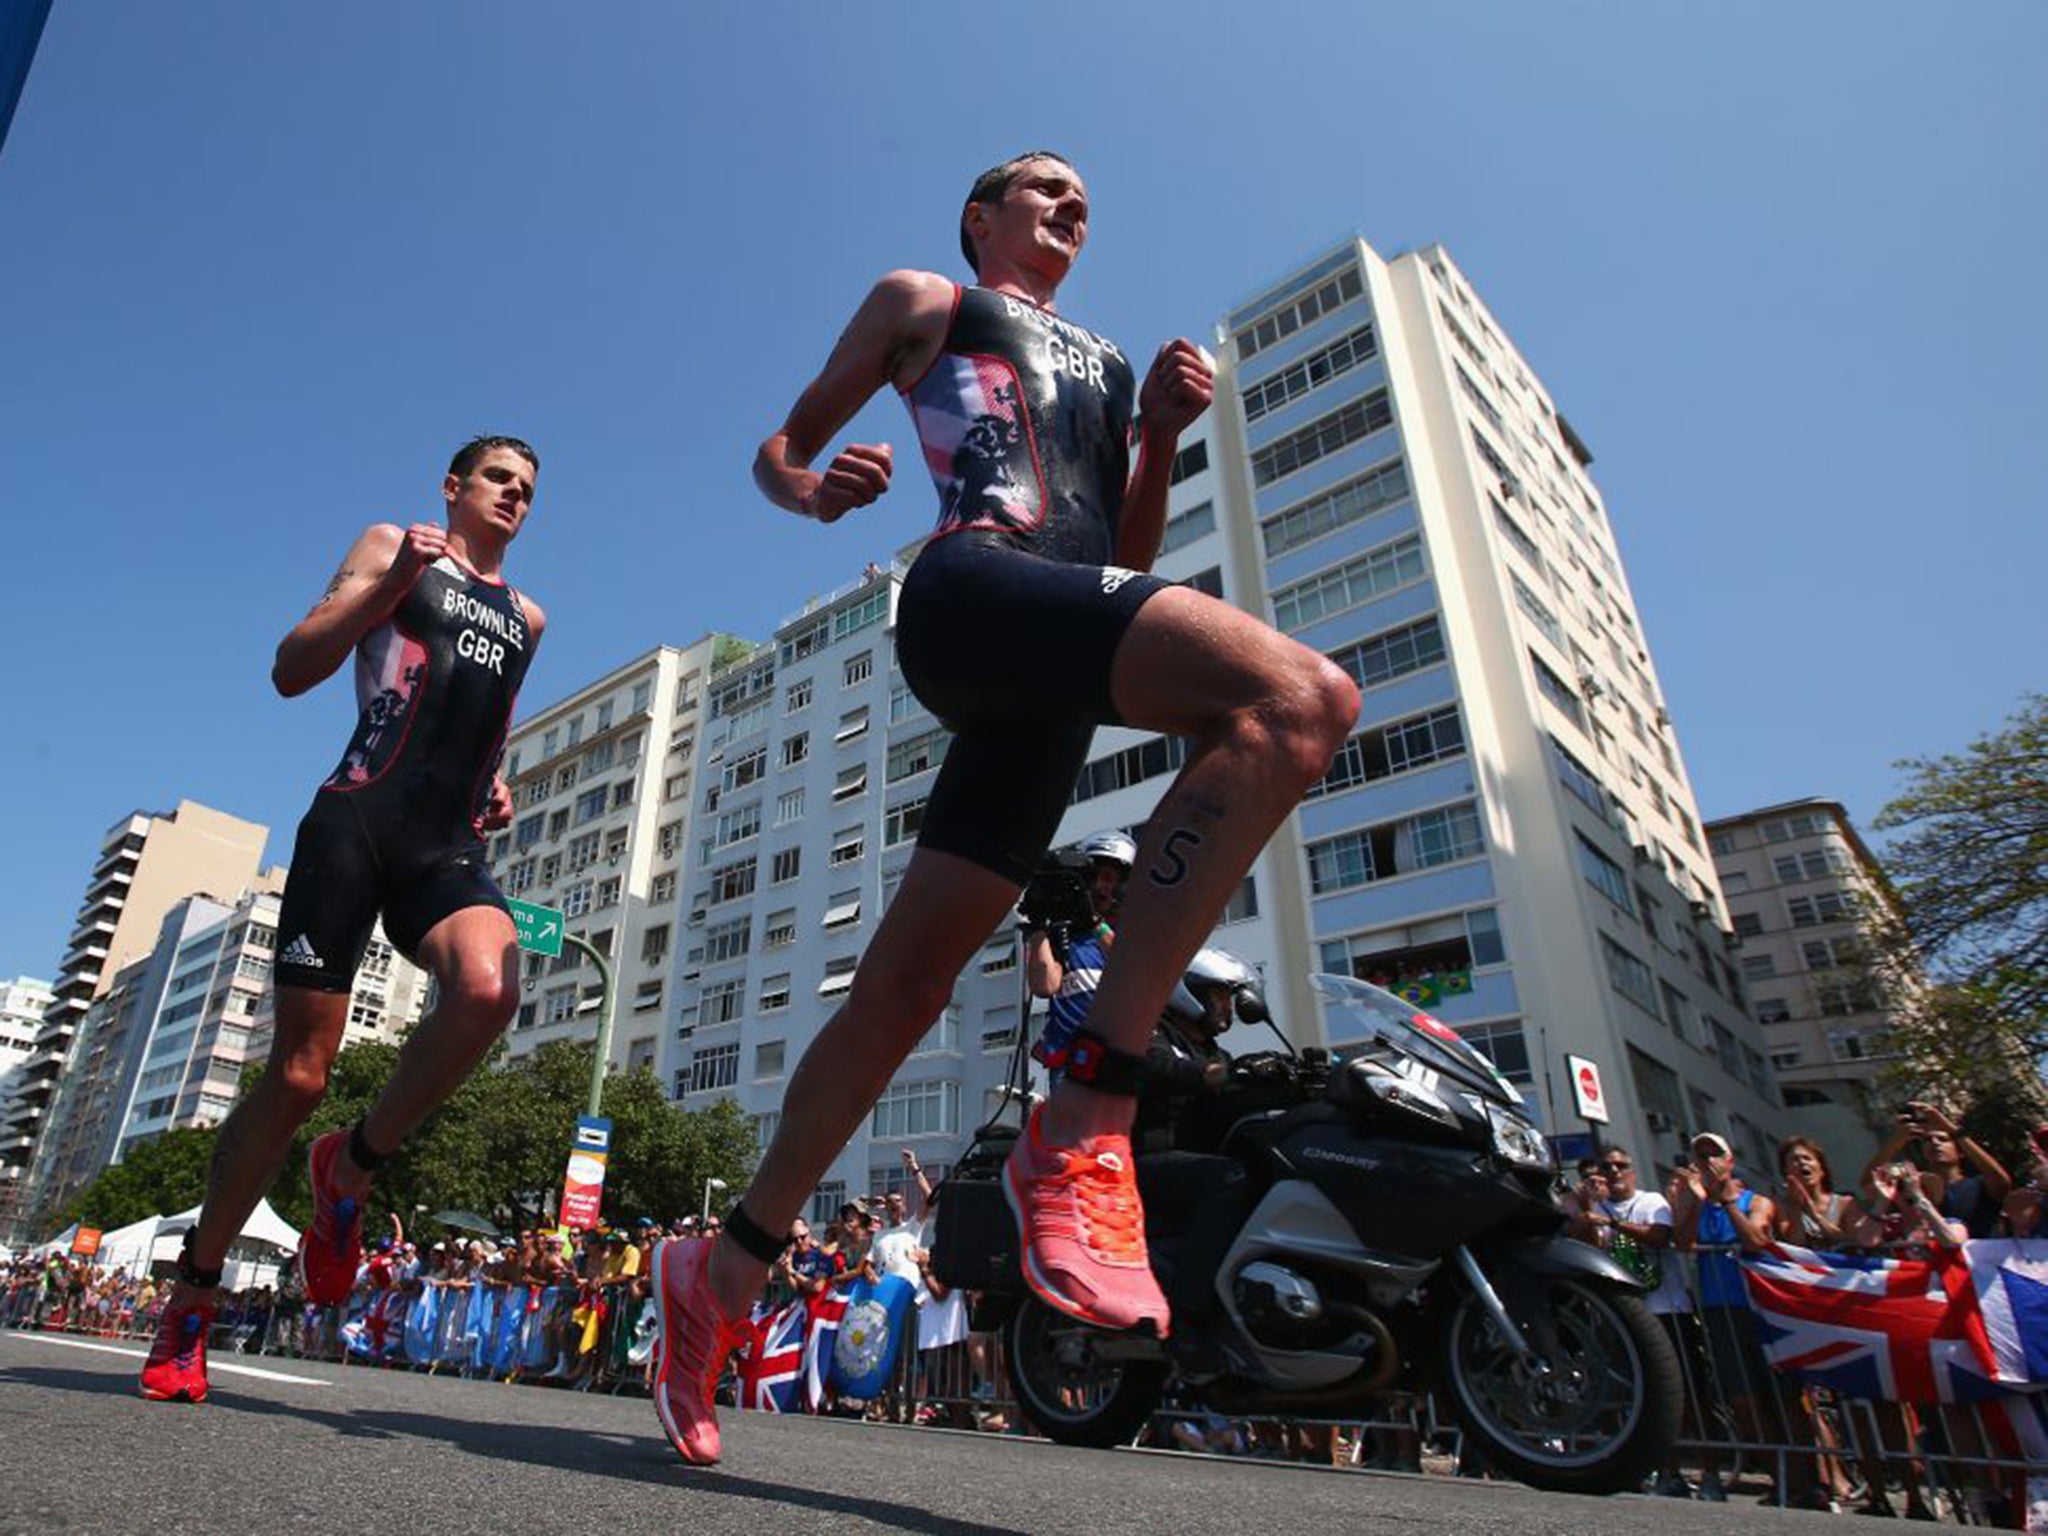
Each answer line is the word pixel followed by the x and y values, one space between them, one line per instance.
pixel 1971 869
pixel 1955 1047
pixel 158 1177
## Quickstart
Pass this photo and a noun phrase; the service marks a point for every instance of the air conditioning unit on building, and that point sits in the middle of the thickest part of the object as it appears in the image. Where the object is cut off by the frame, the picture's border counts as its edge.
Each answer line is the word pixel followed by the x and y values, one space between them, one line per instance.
pixel 1642 853
pixel 1659 1121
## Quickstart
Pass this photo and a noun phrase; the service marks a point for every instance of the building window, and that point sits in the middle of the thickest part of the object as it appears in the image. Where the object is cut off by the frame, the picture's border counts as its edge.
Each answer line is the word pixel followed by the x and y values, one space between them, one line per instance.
pixel 903 704
pixel 774 992
pixel 768 1054
pixel 850 782
pixel 732 881
pixel 796 748
pixel 852 725
pixel 728 941
pixel 576 898
pixel 789 806
pixel 722 1002
pixel 1128 766
pixel 1555 689
pixel 1297 379
pixel 1757 967
pixel 716 1066
pixel 669 839
pixel 838 976
pixel 744 769
pixel 1384 750
pixel 1000 955
pixel 1347 424
pixel 1286 320
pixel 1748 925
pixel 858 669
pixel 1393 653
pixel 797 696
pixel 662 890
pixel 1189 462
pixel 856 617
pixel 1243 903
pixel 901 823
pixel 654 944
pixel 842 910
pixel 919 754
pixel 1629 976
pixel 1357 581
pixel 1330 510
pixel 1395 848
pixel 1538 611
pixel 1826 907
pixel 916 1109
pixel 779 929
pixel 1197 522
pixel 1603 874
pixel 785 866
pixel 848 845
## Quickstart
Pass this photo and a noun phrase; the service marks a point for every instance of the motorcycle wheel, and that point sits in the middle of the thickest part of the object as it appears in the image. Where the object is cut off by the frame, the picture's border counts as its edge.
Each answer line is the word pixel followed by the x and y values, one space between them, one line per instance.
pixel 1598 1416
pixel 1067 1390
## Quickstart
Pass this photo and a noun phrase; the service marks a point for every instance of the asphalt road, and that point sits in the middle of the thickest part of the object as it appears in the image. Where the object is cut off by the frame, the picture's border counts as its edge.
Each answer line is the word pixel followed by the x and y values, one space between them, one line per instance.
pixel 323 1448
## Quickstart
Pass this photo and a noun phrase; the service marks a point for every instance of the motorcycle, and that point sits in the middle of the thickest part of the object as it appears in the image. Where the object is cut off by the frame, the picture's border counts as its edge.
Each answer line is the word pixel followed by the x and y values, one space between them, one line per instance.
pixel 1370 1222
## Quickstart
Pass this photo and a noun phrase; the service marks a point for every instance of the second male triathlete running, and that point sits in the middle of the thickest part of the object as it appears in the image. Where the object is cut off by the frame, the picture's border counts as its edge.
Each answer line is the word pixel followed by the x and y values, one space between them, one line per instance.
pixel 1028 619
pixel 441 644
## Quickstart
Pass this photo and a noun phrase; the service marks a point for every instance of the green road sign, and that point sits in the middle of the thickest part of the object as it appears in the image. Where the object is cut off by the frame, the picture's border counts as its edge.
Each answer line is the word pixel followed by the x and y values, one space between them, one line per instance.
pixel 540 928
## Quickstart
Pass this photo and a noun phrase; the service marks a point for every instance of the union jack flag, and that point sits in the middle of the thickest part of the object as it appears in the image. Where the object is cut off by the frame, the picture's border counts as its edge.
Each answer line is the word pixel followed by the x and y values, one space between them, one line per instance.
pixel 772 1364
pixel 1905 1329
pixel 826 1313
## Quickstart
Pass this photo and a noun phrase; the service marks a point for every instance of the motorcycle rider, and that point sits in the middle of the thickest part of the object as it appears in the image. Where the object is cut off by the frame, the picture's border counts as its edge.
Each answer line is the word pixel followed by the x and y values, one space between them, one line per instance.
pixel 1186 1067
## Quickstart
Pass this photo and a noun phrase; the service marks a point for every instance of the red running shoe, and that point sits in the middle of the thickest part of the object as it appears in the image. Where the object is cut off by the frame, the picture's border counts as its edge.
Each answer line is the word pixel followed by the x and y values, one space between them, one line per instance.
pixel 697 1338
pixel 1082 1229
pixel 331 1249
pixel 176 1369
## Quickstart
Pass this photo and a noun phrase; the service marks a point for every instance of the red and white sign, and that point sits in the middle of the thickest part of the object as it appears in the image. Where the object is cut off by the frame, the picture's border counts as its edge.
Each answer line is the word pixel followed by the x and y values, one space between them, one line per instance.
pixel 1586 1090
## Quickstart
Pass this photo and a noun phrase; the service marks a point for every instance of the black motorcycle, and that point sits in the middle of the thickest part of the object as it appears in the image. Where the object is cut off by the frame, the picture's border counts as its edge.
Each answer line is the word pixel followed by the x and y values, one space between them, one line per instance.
pixel 1371 1222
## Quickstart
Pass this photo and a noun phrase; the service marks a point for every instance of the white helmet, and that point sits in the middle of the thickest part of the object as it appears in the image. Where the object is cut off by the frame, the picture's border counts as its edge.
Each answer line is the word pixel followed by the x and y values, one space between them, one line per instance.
pixel 1212 968
pixel 1113 846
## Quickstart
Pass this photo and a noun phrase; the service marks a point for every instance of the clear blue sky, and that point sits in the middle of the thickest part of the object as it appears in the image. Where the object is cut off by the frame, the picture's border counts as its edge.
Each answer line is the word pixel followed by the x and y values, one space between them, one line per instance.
pixel 263 266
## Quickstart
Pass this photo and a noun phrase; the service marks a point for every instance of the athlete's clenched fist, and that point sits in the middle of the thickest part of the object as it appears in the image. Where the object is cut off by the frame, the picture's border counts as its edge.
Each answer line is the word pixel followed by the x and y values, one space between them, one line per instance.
pixel 857 476
pixel 1177 388
pixel 423 544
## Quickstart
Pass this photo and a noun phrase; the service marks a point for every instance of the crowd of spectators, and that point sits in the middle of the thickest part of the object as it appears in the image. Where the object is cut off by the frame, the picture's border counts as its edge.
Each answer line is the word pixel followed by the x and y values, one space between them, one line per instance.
pixel 1928 1186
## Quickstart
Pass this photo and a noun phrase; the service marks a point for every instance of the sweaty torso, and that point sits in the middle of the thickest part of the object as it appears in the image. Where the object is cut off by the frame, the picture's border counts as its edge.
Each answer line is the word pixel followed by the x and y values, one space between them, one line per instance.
pixel 435 686
pixel 1025 423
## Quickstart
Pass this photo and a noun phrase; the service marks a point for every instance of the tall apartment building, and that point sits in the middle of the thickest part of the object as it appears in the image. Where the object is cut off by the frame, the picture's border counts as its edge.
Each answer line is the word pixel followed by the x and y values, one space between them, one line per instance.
pixel 1801 885
pixel 146 863
pixel 1510 836
pixel 1511 833
pixel 23 1001
pixel 601 793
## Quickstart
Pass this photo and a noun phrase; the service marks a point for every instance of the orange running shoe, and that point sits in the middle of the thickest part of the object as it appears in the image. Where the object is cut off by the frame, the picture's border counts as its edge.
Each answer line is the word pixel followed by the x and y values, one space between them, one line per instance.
pixel 176 1369
pixel 1081 1229
pixel 697 1338
pixel 331 1249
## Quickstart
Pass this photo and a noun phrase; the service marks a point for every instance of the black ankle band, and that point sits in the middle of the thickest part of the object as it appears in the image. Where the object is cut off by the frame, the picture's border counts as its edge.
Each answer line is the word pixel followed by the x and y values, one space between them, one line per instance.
pixel 1094 1063
pixel 192 1274
pixel 755 1240
pixel 362 1154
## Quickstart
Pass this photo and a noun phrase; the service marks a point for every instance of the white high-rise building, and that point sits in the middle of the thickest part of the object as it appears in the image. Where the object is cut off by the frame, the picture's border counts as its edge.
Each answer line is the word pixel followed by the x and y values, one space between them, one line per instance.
pixel 601 786
pixel 1510 836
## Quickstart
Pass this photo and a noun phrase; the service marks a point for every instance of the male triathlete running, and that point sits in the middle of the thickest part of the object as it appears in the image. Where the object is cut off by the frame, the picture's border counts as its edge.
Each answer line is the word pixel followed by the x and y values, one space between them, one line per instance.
pixel 441 644
pixel 1027 620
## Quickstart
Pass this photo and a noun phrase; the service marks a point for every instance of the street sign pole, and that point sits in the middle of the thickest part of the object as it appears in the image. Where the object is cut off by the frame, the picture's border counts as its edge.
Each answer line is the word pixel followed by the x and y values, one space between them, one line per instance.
pixel 542 931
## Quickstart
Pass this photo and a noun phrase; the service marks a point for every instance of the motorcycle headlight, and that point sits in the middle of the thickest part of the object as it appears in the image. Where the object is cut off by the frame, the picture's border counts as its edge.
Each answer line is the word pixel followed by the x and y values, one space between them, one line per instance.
pixel 1517 1140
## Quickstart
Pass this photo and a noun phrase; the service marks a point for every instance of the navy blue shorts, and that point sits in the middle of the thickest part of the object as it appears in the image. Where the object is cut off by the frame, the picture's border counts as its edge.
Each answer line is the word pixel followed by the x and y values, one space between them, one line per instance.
pixel 342 878
pixel 1012 651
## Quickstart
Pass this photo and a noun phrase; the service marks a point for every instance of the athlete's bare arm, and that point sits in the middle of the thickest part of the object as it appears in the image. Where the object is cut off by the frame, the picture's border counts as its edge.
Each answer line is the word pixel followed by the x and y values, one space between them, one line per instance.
pixel 378 570
pixel 1177 389
pixel 891 339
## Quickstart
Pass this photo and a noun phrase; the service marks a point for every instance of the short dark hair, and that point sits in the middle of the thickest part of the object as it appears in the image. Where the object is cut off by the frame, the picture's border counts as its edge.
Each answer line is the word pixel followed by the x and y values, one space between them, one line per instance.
pixel 991 186
pixel 470 453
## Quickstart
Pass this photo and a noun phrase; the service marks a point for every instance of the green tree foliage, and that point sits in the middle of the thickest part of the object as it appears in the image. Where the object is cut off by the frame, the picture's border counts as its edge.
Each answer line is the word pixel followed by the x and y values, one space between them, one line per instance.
pixel 500 1145
pixel 160 1176
pixel 1957 1048
pixel 1971 868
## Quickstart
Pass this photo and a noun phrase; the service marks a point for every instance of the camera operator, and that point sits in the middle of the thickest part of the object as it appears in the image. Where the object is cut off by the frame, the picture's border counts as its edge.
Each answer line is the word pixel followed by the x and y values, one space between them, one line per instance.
pixel 1067 937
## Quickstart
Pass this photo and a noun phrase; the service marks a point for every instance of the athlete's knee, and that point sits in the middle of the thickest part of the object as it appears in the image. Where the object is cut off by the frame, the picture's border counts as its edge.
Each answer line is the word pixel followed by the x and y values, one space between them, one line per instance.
pixel 1297 727
pixel 485 991
pixel 302 1081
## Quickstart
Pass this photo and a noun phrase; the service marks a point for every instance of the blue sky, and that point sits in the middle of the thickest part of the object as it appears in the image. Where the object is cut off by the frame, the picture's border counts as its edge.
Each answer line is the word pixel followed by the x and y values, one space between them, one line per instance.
pixel 263 267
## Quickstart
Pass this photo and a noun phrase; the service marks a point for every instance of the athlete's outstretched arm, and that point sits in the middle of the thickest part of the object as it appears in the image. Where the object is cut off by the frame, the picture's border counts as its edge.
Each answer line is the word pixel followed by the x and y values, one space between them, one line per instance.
pixel 1176 391
pixel 891 337
pixel 378 570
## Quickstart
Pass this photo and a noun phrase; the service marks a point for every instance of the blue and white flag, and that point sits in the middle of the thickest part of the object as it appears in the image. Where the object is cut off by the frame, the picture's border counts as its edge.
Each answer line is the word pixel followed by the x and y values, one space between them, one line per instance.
pixel 879 1315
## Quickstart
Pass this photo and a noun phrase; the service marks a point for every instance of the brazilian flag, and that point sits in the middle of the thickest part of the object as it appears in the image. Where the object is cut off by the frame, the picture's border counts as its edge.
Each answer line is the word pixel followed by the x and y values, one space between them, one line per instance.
pixel 1454 984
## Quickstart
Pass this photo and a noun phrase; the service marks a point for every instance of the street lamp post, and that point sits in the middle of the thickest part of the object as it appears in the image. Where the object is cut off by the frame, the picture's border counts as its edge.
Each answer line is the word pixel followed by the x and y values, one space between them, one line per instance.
pixel 710 1185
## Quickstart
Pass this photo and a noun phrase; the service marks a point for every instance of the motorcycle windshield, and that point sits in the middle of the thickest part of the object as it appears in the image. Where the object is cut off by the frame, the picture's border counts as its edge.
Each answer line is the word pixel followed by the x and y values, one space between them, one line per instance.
pixel 1377 1014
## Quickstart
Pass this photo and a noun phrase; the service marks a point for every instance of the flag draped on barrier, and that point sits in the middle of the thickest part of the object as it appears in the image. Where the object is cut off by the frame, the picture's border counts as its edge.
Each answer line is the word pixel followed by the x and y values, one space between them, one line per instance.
pixel 772 1367
pixel 879 1313
pixel 826 1311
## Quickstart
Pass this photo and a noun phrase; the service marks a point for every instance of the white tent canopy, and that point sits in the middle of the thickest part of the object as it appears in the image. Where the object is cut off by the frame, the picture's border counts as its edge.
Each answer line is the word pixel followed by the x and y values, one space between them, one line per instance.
pixel 129 1247
pixel 264 1227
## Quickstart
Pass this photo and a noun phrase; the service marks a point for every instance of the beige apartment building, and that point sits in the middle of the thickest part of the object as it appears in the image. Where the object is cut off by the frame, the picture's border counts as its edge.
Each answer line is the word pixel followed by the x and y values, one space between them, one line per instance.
pixel 600 785
pixel 147 862
pixel 1801 885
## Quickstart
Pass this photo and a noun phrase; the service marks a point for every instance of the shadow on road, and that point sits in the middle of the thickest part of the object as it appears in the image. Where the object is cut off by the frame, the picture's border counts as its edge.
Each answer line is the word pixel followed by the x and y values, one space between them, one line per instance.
pixel 561 1447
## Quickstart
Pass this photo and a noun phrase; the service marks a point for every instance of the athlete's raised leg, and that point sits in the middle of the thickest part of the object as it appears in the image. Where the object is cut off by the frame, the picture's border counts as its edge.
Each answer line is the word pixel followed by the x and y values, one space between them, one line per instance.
pixel 473 955
pixel 1265 714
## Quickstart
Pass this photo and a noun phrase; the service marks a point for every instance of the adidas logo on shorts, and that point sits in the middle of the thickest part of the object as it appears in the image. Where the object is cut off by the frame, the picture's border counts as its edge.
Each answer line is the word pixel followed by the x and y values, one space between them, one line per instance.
pixel 301 952
pixel 1114 576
